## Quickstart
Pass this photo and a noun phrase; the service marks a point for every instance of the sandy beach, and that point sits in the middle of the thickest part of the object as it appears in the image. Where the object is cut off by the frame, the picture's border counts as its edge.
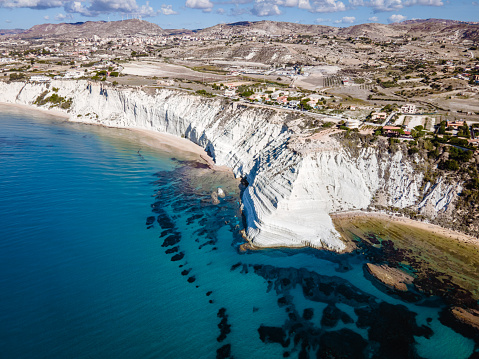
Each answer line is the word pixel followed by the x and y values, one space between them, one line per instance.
pixel 164 141
pixel 52 112
pixel 433 228
pixel 158 140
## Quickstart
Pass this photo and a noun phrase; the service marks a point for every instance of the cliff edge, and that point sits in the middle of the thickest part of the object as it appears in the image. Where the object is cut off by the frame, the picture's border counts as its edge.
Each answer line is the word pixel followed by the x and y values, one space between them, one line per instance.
pixel 294 181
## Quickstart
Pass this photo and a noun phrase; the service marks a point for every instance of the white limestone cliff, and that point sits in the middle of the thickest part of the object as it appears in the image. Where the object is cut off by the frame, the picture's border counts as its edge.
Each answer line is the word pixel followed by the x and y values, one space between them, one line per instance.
pixel 290 193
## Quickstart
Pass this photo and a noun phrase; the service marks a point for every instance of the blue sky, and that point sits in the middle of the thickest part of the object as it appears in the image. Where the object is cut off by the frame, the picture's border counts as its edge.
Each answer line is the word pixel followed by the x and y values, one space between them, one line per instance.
pixel 193 14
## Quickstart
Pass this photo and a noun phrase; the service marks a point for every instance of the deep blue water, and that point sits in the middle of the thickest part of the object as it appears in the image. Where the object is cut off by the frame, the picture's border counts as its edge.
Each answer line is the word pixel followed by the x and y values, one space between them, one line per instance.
pixel 85 221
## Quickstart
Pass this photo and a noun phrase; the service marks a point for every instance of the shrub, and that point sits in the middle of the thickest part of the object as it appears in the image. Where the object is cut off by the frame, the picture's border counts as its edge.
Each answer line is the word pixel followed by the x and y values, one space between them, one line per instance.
pixel 449 165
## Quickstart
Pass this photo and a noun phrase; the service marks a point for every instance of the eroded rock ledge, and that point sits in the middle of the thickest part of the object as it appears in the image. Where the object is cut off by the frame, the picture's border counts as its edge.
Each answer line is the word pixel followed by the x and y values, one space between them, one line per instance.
pixel 292 187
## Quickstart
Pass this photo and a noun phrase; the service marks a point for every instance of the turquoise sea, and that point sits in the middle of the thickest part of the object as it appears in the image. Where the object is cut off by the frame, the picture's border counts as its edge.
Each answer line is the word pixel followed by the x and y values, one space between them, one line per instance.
pixel 112 249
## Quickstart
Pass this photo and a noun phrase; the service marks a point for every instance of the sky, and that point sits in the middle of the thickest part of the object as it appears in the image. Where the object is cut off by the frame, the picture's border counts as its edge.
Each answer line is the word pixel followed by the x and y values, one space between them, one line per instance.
pixel 195 14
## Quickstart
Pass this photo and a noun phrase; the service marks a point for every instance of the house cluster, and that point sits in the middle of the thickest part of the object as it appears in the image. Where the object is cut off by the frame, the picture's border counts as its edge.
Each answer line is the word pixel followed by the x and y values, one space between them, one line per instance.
pixel 409 109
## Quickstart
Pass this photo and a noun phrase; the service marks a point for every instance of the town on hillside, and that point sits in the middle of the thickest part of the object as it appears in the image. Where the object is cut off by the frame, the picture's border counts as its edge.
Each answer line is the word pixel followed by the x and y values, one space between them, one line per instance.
pixel 413 80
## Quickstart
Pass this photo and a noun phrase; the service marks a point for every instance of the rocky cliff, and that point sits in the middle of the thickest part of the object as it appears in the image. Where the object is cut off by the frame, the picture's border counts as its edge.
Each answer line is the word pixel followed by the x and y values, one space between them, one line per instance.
pixel 291 189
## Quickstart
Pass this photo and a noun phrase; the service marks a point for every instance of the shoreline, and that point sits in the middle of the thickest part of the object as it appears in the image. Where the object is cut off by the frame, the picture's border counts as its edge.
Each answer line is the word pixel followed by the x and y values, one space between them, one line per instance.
pixel 432 228
pixel 166 141
pixel 160 140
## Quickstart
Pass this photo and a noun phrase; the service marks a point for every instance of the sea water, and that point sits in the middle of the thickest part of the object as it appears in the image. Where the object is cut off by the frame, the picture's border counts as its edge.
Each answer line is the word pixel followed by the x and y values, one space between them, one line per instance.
pixel 110 249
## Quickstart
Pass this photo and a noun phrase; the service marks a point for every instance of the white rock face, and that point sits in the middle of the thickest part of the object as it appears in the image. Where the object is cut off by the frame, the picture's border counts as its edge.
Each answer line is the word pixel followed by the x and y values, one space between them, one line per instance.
pixel 290 195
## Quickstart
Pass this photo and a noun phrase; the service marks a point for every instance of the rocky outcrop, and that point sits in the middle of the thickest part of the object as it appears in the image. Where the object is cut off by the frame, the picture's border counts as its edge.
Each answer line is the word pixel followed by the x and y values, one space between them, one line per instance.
pixel 290 193
pixel 392 278
pixel 468 316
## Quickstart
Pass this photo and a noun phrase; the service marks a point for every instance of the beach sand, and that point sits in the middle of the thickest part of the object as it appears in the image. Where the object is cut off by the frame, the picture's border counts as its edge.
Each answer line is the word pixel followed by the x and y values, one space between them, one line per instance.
pixel 159 140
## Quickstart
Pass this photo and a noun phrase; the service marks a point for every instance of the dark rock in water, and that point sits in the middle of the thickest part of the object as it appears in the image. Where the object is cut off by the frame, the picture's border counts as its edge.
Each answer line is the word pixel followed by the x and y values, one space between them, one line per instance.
pixel 165 222
pixel 172 250
pixel 272 335
pixel 211 301
pixel 191 279
pixel 255 309
pixel 193 218
pixel 342 344
pixel 178 256
pixel 331 316
pixel 308 313
pixel 285 282
pixel 209 293
pixel 474 355
pixel 150 220
pixel 171 240
pixel 393 327
pixel 286 355
pixel 221 313
pixel 244 270
pixel 201 232
pixel 186 272
pixel 282 301
pixel 234 266
pixel 165 233
pixel 214 248
pixel 210 242
pixel 224 327
pixel 224 352
pixel 149 227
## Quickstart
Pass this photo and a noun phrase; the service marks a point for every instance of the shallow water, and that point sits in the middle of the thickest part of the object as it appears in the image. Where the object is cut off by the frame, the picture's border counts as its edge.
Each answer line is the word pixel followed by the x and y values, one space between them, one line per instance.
pixel 84 273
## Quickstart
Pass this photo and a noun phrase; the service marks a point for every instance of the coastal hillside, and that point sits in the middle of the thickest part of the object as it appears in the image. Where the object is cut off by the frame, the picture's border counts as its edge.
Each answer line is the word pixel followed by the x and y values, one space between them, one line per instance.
pixel 294 182
pixel 125 28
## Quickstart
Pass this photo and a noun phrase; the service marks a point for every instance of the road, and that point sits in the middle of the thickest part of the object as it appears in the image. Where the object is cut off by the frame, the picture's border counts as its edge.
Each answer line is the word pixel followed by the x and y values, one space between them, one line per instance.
pixel 388 119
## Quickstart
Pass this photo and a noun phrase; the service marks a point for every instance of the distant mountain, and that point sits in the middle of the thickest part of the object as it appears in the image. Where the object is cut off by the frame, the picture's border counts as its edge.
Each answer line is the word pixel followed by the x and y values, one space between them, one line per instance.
pixel 265 27
pixel 428 29
pixel 10 31
pixel 88 29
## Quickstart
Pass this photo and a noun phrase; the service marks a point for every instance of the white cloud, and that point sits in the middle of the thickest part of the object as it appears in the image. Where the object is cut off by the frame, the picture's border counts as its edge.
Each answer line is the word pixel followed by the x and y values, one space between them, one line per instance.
pixel 301 4
pixel 8 21
pixel 238 11
pixel 205 5
pixel 327 6
pixel 346 20
pixel 46 17
pixel 63 17
pixel 373 19
pixel 167 10
pixel 392 5
pixel 320 20
pixel 220 11
pixel 85 7
pixel 263 8
pixel 396 18
pixel 97 7
pixel 31 4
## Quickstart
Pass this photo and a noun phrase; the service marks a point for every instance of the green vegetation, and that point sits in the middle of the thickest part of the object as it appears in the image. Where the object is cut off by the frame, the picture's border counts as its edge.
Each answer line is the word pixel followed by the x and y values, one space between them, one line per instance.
pixel 16 77
pixel 54 100
pixel 205 93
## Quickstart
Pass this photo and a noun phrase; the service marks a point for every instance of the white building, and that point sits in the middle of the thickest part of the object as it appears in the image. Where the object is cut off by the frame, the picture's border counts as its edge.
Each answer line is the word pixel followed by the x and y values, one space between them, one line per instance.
pixel 230 92
pixel 73 75
pixel 411 109
pixel 40 78
pixel 352 123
